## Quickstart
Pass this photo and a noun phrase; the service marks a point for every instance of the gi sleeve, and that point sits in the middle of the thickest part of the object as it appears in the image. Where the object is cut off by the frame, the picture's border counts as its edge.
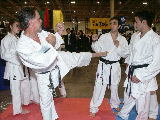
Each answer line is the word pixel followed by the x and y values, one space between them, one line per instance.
pixel 97 46
pixel 146 74
pixel 59 40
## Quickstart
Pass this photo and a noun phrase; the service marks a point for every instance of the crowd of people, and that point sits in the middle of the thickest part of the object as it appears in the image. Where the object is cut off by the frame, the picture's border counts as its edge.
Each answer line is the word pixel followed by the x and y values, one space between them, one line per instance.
pixel 35 67
pixel 77 43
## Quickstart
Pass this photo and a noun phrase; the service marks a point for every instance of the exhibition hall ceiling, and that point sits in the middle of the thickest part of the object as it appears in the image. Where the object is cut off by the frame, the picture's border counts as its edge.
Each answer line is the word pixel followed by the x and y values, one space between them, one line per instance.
pixel 82 9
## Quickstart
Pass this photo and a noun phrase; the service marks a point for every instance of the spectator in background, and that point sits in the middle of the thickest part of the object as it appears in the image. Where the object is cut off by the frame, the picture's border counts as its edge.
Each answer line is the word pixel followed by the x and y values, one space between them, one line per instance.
pixel 73 41
pixel 67 40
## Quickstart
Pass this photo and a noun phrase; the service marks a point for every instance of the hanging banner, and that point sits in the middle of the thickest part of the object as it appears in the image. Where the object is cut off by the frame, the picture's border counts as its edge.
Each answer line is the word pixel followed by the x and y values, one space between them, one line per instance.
pixel 57 17
pixel 41 13
pixel 99 23
pixel 46 18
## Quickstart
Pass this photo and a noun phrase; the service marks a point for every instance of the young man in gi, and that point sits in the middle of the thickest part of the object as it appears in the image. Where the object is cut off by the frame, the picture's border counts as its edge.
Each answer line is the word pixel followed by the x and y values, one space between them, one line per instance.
pixel 36 51
pixel 109 70
pixel 143 66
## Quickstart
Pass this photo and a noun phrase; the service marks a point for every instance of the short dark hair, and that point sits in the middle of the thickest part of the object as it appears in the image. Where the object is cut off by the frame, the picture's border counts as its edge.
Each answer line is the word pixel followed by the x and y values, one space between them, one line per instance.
pixel 24 15
pixel 67 29
pixel 11 22
pixel 116 18
pixel 145 15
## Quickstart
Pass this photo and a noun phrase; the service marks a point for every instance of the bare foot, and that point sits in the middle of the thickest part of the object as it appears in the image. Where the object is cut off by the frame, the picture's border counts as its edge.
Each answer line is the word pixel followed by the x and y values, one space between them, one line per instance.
pixel 63 96
pixel 92 114
pixel 118 109
pixel 116 113
pixel 24 111
pixel 151 119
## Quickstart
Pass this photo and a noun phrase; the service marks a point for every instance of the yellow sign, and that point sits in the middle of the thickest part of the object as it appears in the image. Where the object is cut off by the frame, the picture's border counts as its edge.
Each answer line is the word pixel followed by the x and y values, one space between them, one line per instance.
pixel 99 23
pixel 57 17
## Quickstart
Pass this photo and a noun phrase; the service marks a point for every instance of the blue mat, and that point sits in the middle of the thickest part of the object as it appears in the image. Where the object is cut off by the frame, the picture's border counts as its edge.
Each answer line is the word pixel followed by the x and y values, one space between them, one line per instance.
pixel 4 84
pixel 133 113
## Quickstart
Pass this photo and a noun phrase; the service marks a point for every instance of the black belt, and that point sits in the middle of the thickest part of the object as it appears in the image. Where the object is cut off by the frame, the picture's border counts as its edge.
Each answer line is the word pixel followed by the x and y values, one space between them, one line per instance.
pixel 24 71
pixel 107 62
pixel 130 73
pixel 50 79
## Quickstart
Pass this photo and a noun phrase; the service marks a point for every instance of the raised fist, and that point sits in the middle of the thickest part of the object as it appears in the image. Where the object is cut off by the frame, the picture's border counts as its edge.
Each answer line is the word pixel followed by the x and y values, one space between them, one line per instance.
pixel 60 26
pixel 94 37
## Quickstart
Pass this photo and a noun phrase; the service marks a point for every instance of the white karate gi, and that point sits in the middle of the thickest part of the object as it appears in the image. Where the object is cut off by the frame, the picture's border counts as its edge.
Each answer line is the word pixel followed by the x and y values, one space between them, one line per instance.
pixel 105 43
pixel 42 58
pixel 34 87
pixel 19 85
pixel 142 51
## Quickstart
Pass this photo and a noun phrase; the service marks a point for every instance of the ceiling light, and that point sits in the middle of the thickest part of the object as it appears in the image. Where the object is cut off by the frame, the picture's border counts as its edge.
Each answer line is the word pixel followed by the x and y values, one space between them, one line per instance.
pixel 144 3
pixel 47 2
pixel 132 12
pixel 16 12
pixel 74 11
pixel 120 3
pixel 98 2
pixel 73 2
pixel 25 2
pixel 94 11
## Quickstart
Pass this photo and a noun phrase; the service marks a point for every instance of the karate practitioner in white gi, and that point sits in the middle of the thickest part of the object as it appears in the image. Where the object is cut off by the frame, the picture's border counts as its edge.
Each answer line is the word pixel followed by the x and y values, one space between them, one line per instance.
pixel 35 48
pixel 153 110
pixel 109 70
pixel 15 71
pixel 143 66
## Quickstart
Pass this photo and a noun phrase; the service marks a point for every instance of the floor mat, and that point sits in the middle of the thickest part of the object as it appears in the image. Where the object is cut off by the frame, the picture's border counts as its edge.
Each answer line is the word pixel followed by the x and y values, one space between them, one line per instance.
pixel 67 109
pixel 133 113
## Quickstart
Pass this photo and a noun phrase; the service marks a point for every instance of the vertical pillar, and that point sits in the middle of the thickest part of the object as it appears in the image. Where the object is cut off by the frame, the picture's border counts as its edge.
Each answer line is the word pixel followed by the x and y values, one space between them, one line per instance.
pixel 159 29
pixel 86 25
pixel 112 8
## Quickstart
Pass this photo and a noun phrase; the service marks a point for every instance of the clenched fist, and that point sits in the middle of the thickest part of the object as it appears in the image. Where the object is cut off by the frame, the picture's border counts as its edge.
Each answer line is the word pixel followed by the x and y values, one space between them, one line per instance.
pixel 116 43
pixel 60 27
pixel 94 37
pixel 51 39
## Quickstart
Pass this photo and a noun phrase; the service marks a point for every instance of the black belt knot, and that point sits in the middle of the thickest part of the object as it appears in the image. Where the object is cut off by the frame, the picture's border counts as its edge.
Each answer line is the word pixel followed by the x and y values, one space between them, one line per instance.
pixel 130 73
pixel 107 62
pixel 50 78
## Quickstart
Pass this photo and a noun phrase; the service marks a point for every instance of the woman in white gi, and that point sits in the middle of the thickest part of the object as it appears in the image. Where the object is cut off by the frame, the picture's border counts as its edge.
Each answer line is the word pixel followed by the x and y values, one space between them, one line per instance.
pixel 15 70
pixel 36 51
pixel 143 66
pixel 109 70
